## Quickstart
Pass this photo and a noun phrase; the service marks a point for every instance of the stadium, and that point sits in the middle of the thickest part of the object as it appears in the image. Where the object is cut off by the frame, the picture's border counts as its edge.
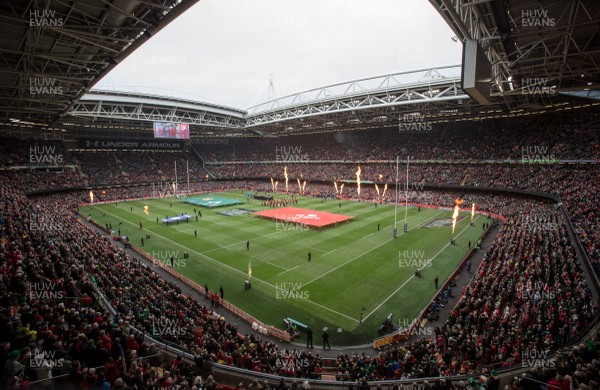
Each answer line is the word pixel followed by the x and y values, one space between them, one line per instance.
pixel 433 228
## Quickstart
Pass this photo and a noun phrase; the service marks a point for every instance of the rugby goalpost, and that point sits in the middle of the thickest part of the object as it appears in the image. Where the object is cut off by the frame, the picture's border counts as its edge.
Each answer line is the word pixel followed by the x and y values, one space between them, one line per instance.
pixel 165 189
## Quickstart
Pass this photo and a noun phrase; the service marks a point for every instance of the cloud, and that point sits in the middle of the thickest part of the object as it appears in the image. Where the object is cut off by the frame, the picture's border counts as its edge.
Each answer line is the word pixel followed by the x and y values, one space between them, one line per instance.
pixel 224 51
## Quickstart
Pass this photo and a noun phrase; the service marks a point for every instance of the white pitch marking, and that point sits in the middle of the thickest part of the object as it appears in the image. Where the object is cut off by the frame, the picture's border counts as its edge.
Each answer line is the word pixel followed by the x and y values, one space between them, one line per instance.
pixel 364 253
pixel 275 265
pixel 412 276
pixel 286 270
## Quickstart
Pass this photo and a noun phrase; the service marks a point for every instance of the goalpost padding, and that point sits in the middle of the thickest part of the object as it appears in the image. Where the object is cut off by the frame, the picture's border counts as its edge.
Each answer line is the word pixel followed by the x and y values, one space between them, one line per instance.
pixel 306 217
pixel 212 201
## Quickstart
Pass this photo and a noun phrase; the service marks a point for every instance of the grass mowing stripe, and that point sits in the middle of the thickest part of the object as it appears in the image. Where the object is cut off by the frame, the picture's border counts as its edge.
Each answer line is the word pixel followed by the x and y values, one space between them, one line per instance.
pixel 275 265
pixel 364 253
pixel 366 282
pixel 411 278
pixel 201 254
pixel 237 270
pixel 287 270
pixel 257 237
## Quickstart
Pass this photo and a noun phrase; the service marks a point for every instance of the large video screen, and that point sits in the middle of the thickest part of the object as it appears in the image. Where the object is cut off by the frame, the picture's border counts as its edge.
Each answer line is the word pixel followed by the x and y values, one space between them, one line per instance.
pixel 171 130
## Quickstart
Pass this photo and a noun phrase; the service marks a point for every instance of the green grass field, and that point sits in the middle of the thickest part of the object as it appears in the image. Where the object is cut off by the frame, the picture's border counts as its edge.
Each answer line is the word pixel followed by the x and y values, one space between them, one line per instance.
pixel 353 265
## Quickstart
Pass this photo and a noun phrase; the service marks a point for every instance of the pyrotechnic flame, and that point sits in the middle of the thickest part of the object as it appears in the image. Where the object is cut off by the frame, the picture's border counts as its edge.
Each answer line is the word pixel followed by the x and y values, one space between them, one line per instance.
pixel 358 181
pixel 277 182
pixel 384 190
pixel 299 186
pixel 272 185
pixel 286 178
pixel 336 187
pixel 250 268
pixel 341 188
pixel 91 197
pixel 146 210
pixel 377 189
pixel 303 185
pixel 455 217
pixel 472 211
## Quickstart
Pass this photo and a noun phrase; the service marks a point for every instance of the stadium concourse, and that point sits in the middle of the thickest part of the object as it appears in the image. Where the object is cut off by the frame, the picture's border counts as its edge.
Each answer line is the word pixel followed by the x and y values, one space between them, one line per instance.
pixel 491 322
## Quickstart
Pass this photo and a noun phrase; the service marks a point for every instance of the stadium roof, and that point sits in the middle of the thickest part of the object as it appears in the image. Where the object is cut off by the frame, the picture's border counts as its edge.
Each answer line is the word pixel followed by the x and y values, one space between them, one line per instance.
pixel 555 42
pixel 52 52
pixel 542 43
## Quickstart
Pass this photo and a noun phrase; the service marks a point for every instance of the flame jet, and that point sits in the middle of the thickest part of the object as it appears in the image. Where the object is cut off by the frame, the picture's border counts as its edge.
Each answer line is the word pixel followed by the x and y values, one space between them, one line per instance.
pixel 358 172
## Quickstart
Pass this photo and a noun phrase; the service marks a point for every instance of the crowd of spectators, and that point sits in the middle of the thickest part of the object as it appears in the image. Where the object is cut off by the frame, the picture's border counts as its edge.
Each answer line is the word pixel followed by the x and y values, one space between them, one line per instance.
pixel 33 152
pixel 132 167
pixel 529 294
pixel 496 317
pixel 53 325
pixel 573 135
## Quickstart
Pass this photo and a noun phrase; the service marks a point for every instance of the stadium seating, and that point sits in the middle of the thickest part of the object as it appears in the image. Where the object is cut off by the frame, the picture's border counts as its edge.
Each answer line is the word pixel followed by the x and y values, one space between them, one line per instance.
pixel 496 316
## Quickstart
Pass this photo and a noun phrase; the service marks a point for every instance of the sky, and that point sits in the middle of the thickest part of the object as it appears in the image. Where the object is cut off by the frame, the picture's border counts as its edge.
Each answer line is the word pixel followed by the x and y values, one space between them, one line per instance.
pixel 225 51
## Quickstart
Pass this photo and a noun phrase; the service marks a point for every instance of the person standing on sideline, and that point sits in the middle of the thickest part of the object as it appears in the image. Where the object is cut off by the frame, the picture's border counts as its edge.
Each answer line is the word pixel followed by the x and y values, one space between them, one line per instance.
pixel 309 337
pixel 325 337
pixel 196 233
pixel 436 280
pixel 221 291
pixel 248 245
pixel 469 266
pixel 378 226
pixel 309 256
